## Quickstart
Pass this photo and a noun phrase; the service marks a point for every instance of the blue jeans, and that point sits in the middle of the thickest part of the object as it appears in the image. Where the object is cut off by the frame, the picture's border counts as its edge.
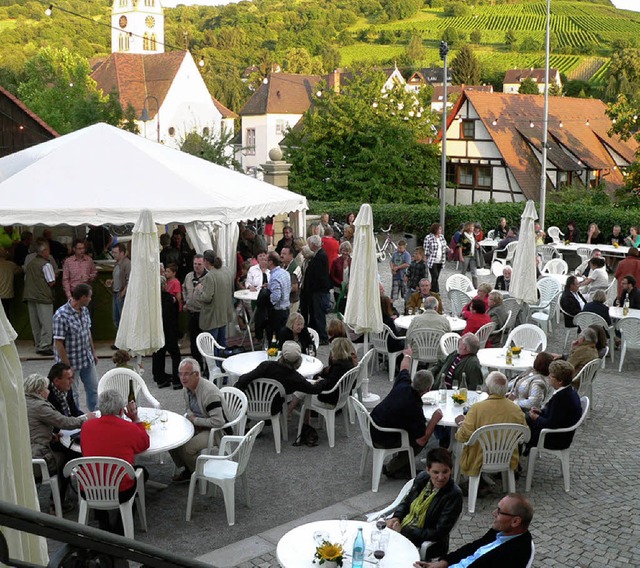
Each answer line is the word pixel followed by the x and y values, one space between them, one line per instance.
pixel 89 378
pixel 118 302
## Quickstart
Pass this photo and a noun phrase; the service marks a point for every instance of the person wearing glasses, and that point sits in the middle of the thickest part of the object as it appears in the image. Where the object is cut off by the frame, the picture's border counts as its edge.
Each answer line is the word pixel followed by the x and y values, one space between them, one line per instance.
pixel 203 401
pixel 506 543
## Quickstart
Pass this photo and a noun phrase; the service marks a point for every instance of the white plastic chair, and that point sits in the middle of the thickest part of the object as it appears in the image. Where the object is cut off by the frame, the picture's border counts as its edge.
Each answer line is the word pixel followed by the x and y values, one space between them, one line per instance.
pixel 223 470
pixel 562 454
pixel 612 292
pixel 235 405
pixel 119 379
pixel 364 372
pixel 425 344
pixel 546 252
pixel 510 251
pixel 391 507
pixel 570 329
pixel 206 346
pixel 497 266
pixel 533 555
pixel 584 253
pixel 555 266
pixel 379 343
pixel 484 332
pixel 100 479
pixel 449 343
pixel 548 288
pixel 365 422
pixel 511 305
pixel 52 481
pixel 544 318
pixel 498 442
pixel 458 300
pixel 458 282
pixel 527 336
pixel 583 381
pixel 315 336
pixel 328 411
pixel 629 329
pixel 260 395
pixel 555 233
pixel 502 330
pixel 491 234
pixel 585 319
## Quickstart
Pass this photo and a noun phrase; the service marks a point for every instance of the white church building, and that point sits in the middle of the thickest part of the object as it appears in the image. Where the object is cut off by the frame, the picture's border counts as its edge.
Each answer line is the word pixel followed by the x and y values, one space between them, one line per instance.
pixel 164 88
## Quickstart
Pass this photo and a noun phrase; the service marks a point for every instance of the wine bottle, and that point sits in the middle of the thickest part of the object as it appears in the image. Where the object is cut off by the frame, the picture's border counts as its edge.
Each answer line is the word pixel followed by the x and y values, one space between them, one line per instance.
pixel 358 550
pixel 625 306
pixel 272 350
pixel 132 394
pixel 463 387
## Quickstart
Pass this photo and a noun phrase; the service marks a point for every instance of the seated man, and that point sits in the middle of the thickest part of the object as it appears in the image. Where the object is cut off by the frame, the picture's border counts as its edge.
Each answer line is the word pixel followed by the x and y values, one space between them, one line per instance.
pixel 497 409
pixel 506 544
pixel 417 299
pixel 629 292
pixel 430 320
pixel 583 349
pixel 61 390
pixel 111 436
pixel 203 402
pixel 402 408
pixel 464 361
pixel 503 282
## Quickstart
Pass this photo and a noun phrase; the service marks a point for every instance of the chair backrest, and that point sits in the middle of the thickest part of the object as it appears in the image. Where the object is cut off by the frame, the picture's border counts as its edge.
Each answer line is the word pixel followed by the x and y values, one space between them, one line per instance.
pixel 498 441
pixel 119 379
pixel 458 282
pixel 497 266
pixel 527 336
pixel 505 326
pixel 581 267
pixel 585 319
pixel 548 288
pixel 612 292
pixel 491 234
pixel 379 339
pixel 235 405
pixel 584 403
pixel 364 370
pixel 345 385
pixel 586 376
pixel 260 395
pixel 511 251
pixel 315 336
pixel 364 419
pixel 449 343
pixel 630 330
pixel 555 266
pixel 555 233
pixel 511 304
pixel 100 479
pixel 484 332
pixel 392 506
pixel 206 346
pixel 546 252
pixel 533 555
pixel 243 451
pixel 458 299
pixel 584 253
pixel 425 344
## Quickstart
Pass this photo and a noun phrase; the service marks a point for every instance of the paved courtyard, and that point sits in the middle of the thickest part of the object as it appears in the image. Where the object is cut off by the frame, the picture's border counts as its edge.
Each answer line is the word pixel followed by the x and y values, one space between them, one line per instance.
pixel 594 525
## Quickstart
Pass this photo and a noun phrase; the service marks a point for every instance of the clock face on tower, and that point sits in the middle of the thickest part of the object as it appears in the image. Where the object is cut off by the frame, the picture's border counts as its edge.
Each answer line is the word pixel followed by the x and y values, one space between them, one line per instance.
pixel 150 21
pixel 122 22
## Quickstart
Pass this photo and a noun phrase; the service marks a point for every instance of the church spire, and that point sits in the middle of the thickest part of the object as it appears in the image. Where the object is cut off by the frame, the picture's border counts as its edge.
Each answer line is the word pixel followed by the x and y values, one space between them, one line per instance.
pixel 137 26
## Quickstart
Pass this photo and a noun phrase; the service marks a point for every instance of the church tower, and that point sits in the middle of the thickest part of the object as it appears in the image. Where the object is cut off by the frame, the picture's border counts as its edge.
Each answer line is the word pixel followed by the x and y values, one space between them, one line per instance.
pixel 137 26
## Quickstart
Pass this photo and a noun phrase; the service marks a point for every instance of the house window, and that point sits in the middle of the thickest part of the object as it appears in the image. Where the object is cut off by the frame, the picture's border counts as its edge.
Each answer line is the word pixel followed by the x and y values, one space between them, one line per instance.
pixel 465 176
pixel 475 176
pixel 123 3
pixel 172 131
pixel 205 132
pixel 281 126
pixel 149 3
pixel 250 141
pixel 468 129
pixel 483 176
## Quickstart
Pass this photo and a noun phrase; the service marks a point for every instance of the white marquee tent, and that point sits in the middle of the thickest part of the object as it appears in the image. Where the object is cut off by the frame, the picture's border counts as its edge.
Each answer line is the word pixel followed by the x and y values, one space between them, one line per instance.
pixel 102 174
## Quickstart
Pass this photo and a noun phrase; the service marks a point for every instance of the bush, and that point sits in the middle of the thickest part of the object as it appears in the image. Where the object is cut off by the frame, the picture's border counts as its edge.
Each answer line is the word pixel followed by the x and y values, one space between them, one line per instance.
pixel 418 218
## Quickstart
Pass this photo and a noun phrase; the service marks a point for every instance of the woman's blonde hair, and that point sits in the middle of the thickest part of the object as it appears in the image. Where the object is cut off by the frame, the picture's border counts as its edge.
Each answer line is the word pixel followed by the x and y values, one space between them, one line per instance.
pixel 35 383
pixel 341 348
pixel 293 318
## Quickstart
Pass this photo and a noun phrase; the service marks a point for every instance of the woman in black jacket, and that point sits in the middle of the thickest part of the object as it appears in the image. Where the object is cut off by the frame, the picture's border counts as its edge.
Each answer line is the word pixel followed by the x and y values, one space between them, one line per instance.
pixel 432 507
pixel 297 331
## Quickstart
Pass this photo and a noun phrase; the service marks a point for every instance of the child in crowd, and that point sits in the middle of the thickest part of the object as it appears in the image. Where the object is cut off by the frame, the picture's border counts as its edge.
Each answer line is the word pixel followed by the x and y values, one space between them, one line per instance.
pixel 400 261
pixel 416 271
pixel 173 284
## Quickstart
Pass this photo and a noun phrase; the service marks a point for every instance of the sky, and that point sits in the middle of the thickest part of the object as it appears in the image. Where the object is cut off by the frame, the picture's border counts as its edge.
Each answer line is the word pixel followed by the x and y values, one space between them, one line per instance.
pixel 627 4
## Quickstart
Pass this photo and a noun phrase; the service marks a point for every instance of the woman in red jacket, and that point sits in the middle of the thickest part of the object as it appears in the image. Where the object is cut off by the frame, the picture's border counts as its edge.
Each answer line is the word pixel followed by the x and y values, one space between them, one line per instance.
pixel 476 316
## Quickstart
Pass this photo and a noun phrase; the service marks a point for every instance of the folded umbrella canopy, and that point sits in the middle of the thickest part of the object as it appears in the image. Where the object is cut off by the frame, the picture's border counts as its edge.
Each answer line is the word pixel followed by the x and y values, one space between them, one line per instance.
pixel 523 281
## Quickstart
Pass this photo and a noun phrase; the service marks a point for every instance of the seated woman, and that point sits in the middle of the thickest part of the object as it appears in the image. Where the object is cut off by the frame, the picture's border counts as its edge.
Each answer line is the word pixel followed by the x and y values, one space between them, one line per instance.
pixel 633 240
pixel 297 331
pixel 597 305
pixel 595 236
pixel 498 314
pixel 598 278
pixel 476 317
pixel 483 294
pixel 338 328
pixel 562 411
pixel 388 319
pixel 432 507
pixel 44 424
pixel 531 388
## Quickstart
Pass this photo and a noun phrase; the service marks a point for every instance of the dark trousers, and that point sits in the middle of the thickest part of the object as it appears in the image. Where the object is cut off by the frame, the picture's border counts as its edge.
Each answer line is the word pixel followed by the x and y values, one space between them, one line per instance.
pixel 277 320
pixel 318 313
pixel 6 304
pixel 194 331
pixel 435 274
pixel 158 361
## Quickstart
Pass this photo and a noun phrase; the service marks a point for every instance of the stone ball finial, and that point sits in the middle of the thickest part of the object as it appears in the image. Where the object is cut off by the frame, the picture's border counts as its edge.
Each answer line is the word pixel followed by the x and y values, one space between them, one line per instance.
pixel 275 154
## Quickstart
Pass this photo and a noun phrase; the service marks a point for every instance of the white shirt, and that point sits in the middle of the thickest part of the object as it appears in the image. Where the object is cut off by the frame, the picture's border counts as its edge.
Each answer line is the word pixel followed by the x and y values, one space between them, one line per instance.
pixel 254 276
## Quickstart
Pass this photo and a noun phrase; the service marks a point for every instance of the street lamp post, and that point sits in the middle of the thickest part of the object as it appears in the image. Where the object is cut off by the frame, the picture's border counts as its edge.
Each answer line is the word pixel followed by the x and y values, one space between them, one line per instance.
pixel 444 50
pixel 545 122
pixel 144 117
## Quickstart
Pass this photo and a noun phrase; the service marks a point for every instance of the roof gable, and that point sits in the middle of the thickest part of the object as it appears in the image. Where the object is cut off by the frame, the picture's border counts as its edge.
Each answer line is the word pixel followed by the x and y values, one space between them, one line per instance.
pixel 519 75
pixel 283 93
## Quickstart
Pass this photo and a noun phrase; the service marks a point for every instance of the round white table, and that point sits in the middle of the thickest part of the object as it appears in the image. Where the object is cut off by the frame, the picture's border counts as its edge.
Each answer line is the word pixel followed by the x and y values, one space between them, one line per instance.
pixel 246 295
pixel 495 358
pixel 450 411
pixel 245 362
pixel 297 547
pixel 615 313
pixel 457 324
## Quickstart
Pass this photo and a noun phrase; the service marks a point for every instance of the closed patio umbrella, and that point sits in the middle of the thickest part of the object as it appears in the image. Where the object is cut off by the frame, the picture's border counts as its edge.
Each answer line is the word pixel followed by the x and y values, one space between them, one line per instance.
pixel 523 281
pixel 140 328
pixel 16 474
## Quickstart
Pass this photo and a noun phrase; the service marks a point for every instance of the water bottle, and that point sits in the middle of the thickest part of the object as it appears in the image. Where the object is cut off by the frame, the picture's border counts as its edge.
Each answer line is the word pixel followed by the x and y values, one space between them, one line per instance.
pixel 358 551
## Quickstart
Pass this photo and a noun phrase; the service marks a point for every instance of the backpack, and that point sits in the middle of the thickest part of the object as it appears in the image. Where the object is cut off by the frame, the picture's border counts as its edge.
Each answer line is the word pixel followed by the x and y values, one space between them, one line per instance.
pixel 308 437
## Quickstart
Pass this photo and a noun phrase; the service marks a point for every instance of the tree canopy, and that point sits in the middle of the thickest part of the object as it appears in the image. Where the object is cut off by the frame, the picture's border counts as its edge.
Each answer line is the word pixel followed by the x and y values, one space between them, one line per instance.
pixel 465 67
pixel 364 145
pixel 528 87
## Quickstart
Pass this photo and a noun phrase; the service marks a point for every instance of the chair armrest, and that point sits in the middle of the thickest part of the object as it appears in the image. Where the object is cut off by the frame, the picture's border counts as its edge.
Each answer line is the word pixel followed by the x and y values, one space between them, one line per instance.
pixel 391 507
pixel 424 547
pixel 229 440
pixel 545 431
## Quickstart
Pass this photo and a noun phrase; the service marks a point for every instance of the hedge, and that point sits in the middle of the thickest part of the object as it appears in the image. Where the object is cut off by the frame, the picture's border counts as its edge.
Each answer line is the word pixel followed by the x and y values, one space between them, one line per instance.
pixel 417 218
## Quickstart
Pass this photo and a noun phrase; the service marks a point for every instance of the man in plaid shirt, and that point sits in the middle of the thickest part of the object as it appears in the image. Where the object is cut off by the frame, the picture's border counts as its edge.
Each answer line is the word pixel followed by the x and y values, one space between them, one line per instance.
pixel 73 342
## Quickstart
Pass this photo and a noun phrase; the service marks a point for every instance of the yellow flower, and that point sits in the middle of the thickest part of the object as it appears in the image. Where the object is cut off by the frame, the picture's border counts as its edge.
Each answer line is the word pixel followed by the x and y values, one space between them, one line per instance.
pixel 147 424
pixel 329 551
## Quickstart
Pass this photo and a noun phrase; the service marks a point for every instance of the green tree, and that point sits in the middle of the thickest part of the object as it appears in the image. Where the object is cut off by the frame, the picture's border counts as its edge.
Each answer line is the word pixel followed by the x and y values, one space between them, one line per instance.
pixel 465 67
pixel 555 90
pixel 457 10
pixel 528 87
pixel 212 147
pixel 364 145
pixel 56 86
pixel 511 39
pixel 529 43
pixel 297 60
pixel 450 35
pixel 414 53
pixel 476 36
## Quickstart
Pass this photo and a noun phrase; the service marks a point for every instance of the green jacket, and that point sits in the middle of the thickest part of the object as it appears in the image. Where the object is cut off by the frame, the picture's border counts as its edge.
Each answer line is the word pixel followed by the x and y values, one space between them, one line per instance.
pixel 36 288
pixel 469 365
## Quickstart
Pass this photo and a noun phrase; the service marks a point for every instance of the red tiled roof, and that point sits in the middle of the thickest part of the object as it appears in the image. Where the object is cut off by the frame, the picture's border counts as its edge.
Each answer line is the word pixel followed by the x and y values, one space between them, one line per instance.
pixel 223 110
pixel 283 93
pixel 438 90
pixel 24 108
pixel 136 76
pixel 519 75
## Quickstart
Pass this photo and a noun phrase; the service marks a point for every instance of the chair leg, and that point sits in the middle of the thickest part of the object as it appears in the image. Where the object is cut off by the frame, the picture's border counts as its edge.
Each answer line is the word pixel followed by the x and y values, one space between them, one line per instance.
pixel 474 482
pixel 330 419
pixel 83 513
pixel 623 352
pixel 126 512
pixel 192 488
pixel 363 459
pixel 412 462
pixel 228 491
pixel 284 427
pixel 303 411
pixel 275 425
pixel 376 470
pixel 55 495
pixel 142 503
pixel 564 460
pixel 533 454
pixel 511 481
pixel 345 414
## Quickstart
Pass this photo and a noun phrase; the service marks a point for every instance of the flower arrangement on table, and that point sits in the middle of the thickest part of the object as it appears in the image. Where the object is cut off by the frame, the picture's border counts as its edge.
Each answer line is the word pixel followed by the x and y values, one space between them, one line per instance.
pixel 516 351
pixel 147 424
pixel 458 398
pixel 329 552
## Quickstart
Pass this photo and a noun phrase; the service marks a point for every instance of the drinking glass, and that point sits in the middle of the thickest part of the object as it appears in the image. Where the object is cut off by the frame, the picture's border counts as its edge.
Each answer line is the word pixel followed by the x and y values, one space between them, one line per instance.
pixel 454 386
pixel 343 528
pixel 380 549
pixel 164 418
pixel 381 524
pixel 320 536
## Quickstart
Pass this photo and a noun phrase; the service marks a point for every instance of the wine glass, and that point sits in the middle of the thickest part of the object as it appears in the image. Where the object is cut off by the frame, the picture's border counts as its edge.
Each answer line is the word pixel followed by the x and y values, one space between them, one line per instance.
pixel 478 392
pixel 381 524
pixel 380 549
pixel 164 418
pixel 343 528
pixel 454 385
pixel 320 536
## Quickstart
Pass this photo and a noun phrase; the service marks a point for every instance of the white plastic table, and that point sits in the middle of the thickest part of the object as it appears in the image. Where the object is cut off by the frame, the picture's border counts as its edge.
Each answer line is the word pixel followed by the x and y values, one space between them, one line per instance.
pixel 245 362
pixel 457 324
pixel 615 313
pixel 495 358
pixel 450 411
pixel 607 250
pixel 297 547
pixel 246 297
